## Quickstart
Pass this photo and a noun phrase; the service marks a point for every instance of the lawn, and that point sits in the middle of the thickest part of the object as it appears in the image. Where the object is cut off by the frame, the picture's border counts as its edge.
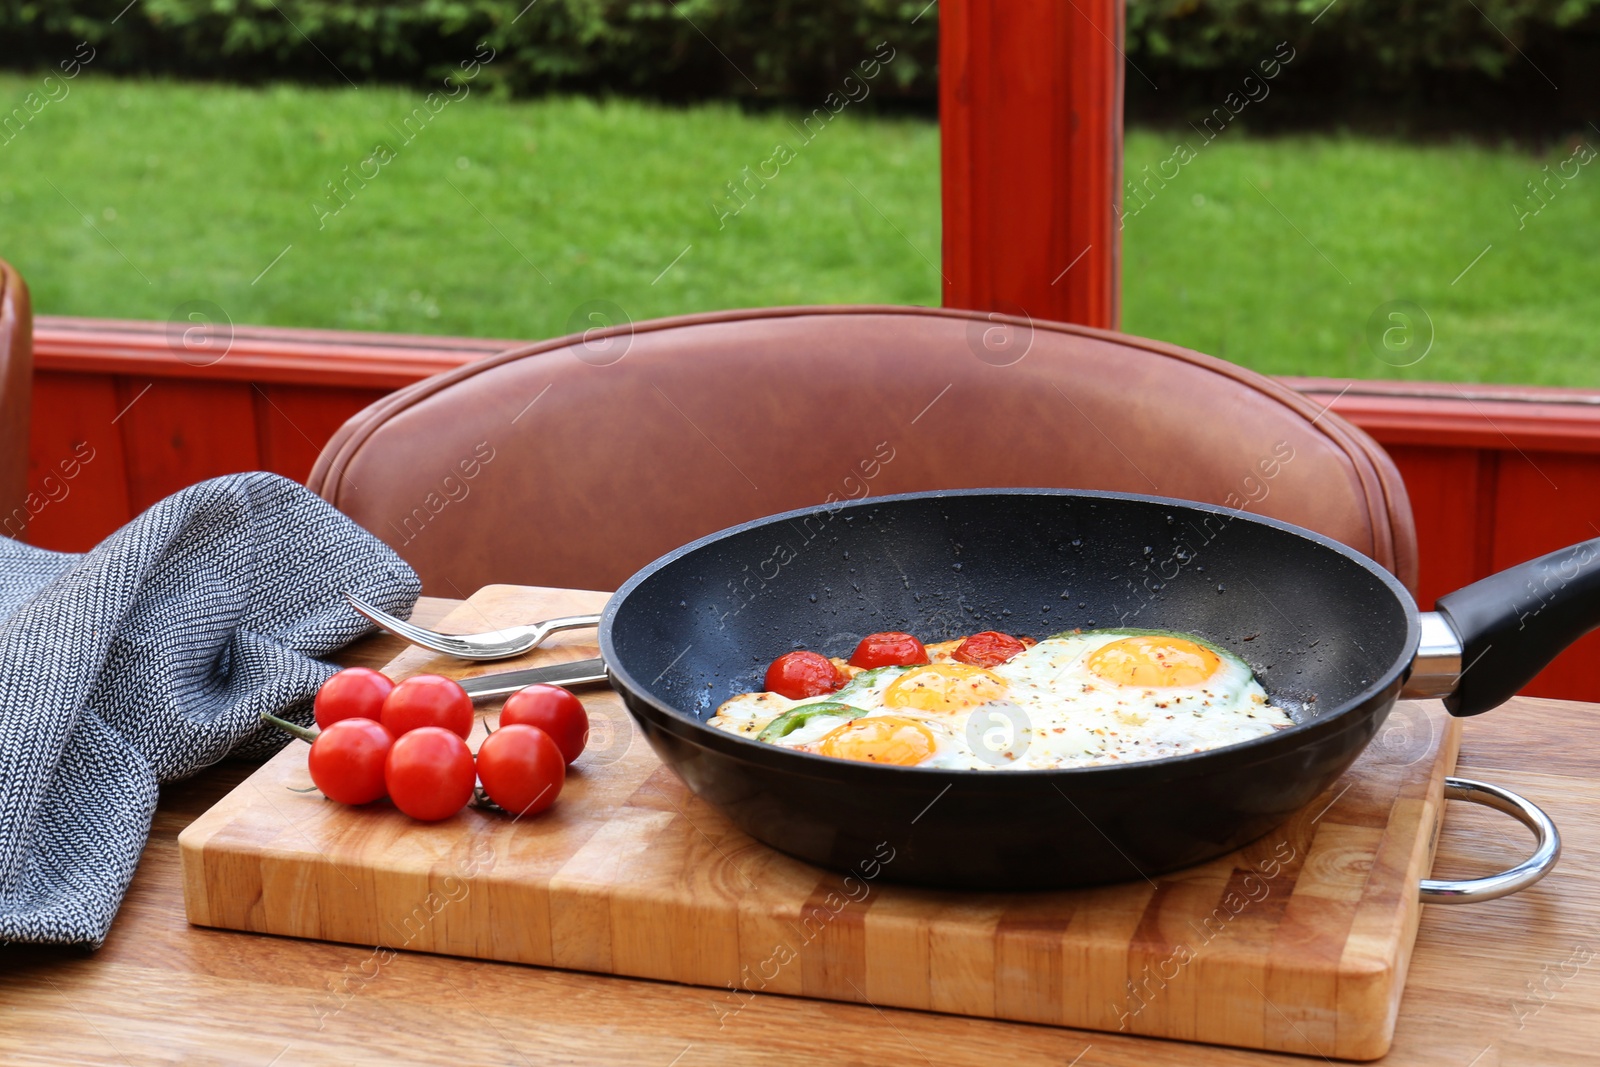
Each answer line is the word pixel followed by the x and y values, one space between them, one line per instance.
pixel 511 219
pixel 1285 255
pixel 496 219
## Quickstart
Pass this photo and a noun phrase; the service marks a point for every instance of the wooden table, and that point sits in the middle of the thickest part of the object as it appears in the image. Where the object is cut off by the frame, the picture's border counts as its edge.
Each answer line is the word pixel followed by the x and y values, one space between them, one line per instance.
pixel 1509 982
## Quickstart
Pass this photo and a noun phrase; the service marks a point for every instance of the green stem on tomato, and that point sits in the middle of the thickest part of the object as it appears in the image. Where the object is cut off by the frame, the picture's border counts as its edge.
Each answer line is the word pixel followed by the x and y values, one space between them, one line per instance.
pixel 481 799
pixel 290 728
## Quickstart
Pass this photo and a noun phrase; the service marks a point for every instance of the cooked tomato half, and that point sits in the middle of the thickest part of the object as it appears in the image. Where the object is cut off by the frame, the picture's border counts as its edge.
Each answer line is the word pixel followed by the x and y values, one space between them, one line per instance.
pixel 889 649
pixel 798 675
pixel 988 649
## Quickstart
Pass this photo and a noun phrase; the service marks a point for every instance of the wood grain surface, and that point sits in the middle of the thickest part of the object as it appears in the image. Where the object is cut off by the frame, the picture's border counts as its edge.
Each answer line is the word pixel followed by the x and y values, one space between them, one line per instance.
pixel 1508 982
pixel 1298 942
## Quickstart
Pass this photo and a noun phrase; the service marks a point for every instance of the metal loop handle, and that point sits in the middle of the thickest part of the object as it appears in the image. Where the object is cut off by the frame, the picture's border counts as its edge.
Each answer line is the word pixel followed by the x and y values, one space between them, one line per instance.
pixel 1524 874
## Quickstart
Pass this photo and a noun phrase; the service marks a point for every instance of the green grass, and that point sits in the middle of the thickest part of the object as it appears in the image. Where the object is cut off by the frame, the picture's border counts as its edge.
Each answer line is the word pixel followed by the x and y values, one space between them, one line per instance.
pixel 1284 277
pixel 194 190
pixel 555 204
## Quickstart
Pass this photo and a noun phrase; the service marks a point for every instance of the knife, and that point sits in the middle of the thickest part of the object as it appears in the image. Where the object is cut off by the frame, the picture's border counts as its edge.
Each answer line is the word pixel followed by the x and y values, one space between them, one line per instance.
pixel 577 672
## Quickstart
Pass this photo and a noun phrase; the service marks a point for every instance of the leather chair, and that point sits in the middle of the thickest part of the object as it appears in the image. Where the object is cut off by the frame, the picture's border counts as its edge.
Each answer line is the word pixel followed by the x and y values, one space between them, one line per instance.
pixel 575 461
pixel 16 387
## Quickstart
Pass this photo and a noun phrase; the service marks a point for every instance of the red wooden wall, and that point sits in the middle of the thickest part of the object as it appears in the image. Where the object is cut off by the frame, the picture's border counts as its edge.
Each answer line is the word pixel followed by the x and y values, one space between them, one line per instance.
pixel 151 423
pixel 1497 475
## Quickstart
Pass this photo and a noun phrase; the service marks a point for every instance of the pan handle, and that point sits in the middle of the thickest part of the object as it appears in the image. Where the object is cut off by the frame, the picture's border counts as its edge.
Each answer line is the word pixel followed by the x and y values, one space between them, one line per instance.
pixel 1523 874
pixel 1513 623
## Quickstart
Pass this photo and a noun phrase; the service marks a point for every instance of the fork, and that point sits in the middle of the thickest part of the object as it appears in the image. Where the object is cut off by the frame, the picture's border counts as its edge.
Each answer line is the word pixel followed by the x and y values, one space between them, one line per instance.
pixel 496 644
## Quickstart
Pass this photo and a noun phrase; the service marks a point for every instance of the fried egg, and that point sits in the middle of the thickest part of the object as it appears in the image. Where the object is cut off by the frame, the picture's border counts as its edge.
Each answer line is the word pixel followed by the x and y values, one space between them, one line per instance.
pixel 1073 700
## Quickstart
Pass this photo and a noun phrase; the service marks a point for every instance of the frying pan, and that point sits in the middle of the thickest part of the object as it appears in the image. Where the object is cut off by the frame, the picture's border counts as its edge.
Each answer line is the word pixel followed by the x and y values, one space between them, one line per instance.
pixel 1332 636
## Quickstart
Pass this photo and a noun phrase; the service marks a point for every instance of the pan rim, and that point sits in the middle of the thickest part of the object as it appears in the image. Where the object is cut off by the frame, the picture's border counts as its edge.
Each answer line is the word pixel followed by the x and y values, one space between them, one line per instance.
pixel 811 765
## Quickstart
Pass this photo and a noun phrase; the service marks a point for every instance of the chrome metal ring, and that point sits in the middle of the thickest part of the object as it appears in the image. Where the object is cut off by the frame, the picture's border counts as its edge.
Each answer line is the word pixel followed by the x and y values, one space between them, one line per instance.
pixel 1524 874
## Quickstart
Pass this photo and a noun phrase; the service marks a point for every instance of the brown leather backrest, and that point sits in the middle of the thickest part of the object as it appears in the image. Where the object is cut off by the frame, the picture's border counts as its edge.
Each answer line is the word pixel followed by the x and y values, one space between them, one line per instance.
pixel 16 387
pixel 576 461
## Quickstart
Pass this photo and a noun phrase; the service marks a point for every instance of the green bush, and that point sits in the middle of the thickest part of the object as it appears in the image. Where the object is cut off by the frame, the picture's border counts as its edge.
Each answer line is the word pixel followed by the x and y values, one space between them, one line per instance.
pixel 767 49
pixel 1390 40
pixel 783 48
pixel 1409 67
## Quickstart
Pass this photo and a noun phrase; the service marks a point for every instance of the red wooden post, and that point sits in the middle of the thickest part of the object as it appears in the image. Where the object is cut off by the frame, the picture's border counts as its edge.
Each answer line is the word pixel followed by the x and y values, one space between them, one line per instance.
pixel 1030 101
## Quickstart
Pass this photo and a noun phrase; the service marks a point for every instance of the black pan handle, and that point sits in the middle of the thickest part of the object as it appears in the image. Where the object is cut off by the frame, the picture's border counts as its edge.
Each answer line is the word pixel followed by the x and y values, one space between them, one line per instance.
pixel 1511 624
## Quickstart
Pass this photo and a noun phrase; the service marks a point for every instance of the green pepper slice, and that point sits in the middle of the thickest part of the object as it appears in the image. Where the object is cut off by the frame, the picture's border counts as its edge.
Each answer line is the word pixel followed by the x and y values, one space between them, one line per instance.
pixel 866 680
pixel 794 718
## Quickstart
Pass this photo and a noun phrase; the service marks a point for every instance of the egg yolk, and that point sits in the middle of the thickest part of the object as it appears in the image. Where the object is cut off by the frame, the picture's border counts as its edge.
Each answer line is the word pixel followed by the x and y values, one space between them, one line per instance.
pixel 1154 661
pixel 885 739
pixel 943 687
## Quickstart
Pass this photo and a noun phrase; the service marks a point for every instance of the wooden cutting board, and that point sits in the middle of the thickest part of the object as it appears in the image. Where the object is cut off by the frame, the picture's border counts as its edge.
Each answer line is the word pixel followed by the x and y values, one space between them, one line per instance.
pixel 1299 942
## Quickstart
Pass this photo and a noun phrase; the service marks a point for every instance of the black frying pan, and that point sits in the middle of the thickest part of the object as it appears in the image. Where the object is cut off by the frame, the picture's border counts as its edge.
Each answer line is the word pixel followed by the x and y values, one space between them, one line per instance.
pixel 1331 635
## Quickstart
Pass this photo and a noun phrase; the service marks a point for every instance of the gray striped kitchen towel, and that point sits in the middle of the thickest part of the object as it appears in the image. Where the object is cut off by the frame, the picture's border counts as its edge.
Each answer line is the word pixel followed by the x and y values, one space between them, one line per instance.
pixel 150 657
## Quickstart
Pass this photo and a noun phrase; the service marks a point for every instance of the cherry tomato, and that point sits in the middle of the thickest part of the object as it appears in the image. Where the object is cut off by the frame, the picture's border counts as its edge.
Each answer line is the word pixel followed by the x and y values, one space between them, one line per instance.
pixel 353 693
pixel 798 675
pixel 347 760
pixel 429 773
pixel 428 700
pixel 553 710
pixel 988 649
pixel 891 649
pixel 521 768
